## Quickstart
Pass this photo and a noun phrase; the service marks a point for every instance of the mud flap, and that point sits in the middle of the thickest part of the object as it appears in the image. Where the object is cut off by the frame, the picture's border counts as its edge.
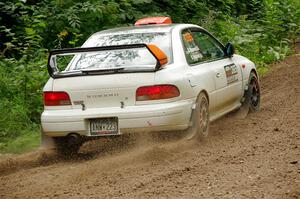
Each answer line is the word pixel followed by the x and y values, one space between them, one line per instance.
pixel 47 142
pixel 243 111
pixel 192 130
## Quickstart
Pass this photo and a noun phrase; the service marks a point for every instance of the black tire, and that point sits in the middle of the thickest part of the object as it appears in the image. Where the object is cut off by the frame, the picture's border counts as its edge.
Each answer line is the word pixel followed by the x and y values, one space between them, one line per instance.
pixel 200 119
pixel 67 146
pixel 252 95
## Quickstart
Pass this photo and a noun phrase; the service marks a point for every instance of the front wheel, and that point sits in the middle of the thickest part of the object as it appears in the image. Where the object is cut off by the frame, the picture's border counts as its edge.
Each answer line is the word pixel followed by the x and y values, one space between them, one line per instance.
pixel 200 119
pixel 252 95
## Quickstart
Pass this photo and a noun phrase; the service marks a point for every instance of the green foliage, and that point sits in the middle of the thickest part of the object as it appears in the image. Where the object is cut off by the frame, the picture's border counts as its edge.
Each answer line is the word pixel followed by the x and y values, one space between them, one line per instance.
pixel 25 142
pixel 21 83
pixel 262 30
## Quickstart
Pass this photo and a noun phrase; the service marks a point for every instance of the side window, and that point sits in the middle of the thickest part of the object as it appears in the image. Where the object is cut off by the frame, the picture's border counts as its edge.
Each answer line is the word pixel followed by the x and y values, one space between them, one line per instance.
pixel 200 47
pixel 209 47
pixel 191 49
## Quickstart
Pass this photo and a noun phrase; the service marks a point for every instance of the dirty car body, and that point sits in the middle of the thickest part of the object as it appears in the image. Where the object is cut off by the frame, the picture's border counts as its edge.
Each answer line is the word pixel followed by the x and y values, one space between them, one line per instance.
pixel 114 84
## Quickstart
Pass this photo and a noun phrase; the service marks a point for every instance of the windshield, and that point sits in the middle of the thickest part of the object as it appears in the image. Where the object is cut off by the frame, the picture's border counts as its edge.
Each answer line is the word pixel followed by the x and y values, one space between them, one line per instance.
pixel 128 58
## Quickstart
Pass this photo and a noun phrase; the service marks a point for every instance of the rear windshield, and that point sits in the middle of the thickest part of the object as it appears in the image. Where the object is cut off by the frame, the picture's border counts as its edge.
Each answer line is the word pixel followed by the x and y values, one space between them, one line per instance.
pixel 121 58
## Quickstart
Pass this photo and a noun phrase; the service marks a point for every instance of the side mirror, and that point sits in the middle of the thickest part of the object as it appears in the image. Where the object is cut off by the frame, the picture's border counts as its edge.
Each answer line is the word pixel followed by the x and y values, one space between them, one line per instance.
pixel 160 56
pixel 229 49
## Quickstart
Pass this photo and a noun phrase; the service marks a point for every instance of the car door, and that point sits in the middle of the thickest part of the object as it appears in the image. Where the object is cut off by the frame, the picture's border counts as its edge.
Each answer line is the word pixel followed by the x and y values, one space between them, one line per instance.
pixel 226 76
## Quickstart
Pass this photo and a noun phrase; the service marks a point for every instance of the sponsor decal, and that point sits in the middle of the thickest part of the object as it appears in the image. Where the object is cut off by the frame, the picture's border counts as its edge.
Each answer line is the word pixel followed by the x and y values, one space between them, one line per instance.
pixel 231 73
pixel 188 37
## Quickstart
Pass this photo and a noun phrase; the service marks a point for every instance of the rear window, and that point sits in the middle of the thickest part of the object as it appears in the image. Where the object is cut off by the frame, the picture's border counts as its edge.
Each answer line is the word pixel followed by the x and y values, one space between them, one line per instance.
pixel 121 58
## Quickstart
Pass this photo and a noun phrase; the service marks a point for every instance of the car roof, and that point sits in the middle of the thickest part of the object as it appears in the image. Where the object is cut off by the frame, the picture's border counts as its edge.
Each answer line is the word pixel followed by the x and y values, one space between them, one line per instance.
pixel 140 29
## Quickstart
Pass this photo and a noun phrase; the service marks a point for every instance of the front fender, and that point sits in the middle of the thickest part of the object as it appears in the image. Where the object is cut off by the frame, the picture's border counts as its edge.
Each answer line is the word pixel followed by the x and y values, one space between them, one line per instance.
pixel 246 66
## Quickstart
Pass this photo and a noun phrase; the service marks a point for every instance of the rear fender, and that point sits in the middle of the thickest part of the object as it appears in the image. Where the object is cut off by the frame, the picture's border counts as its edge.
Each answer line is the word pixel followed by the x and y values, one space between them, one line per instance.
pixel 49 85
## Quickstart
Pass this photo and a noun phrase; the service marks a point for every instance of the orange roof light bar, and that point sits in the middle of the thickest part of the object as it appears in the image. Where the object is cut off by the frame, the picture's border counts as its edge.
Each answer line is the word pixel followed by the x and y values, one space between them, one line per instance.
pixel 153 20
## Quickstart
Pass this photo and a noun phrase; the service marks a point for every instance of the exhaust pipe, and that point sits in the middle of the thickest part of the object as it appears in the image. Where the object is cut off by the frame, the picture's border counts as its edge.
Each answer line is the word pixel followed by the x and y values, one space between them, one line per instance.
pixel 48 142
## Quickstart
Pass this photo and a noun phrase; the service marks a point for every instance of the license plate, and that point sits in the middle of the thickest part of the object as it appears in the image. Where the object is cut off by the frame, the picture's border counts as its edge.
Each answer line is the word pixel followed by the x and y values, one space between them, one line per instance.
pixel 104 126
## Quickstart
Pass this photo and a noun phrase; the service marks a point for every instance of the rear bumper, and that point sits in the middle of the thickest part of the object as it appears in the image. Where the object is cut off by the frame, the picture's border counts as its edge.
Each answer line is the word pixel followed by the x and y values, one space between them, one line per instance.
pixel 155 117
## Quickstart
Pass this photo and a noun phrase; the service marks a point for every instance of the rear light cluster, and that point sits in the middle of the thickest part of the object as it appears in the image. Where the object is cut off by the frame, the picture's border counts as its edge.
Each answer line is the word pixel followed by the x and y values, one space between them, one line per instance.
pixel 56 99
pixel 157 92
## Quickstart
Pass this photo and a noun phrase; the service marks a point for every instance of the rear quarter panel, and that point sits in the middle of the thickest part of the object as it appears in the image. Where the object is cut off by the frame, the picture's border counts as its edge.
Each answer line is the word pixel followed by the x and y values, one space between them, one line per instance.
pixel 49 85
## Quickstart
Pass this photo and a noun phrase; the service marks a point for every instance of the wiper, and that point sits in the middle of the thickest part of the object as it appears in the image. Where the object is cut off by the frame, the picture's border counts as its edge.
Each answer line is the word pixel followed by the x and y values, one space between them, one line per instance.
pixel 102 70
pixel 139 69
pixel 68 73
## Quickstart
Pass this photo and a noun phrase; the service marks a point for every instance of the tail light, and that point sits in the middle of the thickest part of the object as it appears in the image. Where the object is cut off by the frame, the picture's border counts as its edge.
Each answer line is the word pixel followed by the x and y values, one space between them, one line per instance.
pixel 156 92
pixel 56 99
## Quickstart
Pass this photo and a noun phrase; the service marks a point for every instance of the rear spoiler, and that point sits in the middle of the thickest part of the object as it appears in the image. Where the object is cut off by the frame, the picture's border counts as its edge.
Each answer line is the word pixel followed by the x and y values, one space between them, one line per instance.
pixel 53 71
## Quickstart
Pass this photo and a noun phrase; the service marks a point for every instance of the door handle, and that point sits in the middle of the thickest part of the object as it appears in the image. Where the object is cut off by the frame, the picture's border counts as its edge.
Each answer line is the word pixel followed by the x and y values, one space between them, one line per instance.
pixel 218 75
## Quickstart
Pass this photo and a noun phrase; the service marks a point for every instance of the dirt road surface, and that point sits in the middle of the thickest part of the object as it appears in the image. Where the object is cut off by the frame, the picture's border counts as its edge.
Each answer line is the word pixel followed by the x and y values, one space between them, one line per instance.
pixel 256 157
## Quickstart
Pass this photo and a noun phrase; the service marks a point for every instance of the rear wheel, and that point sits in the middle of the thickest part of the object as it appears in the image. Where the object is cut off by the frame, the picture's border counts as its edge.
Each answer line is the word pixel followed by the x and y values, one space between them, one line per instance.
pixel 69 145
pixel 200 119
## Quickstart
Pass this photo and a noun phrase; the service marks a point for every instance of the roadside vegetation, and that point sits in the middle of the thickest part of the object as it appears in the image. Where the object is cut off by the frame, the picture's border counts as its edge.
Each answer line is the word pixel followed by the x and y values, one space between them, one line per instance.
pixel 262 30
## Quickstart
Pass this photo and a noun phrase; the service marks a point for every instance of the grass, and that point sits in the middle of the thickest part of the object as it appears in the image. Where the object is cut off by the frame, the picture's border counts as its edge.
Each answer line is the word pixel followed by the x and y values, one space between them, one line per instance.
pixel 262 70
pixel 24 143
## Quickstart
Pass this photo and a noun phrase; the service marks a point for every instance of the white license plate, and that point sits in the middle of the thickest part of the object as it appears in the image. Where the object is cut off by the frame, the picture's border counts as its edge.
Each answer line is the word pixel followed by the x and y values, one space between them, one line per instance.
pixel 104 126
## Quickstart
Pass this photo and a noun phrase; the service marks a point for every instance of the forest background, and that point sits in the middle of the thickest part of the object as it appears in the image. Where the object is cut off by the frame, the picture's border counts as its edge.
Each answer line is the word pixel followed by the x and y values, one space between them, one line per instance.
pixel 262 30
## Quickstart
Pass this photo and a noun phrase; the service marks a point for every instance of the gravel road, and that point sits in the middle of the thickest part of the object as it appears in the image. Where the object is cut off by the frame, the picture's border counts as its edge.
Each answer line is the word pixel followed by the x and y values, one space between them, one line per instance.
pixel 256 157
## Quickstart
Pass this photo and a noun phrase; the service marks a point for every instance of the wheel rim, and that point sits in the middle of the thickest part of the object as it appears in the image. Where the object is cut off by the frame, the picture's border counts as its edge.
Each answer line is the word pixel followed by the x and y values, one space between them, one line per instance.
pixel 203 120
pixel 255 94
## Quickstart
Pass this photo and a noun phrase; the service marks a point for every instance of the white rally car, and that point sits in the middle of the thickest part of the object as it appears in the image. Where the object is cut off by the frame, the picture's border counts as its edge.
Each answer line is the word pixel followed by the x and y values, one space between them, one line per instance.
pixel 154 76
